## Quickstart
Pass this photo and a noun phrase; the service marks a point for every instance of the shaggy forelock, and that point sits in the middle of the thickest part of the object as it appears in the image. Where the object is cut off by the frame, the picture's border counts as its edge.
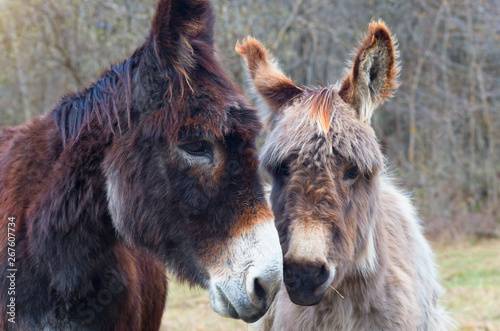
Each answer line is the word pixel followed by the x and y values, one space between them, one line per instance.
pixel 302 126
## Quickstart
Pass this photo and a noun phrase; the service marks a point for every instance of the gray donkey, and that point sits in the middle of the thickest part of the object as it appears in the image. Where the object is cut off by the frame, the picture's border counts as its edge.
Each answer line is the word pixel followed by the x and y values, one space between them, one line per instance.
pixel 355 257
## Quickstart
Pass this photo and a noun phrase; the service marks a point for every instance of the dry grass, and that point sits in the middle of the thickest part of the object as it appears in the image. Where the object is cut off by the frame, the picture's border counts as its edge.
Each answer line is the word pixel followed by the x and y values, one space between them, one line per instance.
pixel 189 309
pixel 471 276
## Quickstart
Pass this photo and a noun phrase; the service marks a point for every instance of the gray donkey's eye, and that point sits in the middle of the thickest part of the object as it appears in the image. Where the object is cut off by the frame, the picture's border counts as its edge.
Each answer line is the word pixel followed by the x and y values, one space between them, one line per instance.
pixel 351 173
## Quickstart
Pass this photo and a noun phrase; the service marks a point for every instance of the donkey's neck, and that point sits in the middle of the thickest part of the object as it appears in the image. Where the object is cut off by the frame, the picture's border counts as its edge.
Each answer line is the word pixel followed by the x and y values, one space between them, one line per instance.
pixel 74 231
pixel 63 231
pixel 398 248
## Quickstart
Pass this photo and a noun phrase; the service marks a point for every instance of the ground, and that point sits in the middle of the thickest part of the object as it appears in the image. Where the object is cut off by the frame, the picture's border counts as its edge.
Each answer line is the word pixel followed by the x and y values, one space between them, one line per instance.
pixel 471 277
pixel 470 273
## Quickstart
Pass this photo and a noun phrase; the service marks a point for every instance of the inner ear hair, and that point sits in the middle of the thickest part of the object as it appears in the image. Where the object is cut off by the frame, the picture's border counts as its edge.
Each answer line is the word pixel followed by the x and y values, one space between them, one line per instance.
pixel 373 76
pixel 275 88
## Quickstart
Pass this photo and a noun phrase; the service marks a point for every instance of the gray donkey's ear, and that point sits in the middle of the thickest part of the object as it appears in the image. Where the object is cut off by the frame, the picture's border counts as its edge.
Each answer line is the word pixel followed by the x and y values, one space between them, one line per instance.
pixel 275 88
pixel 373 75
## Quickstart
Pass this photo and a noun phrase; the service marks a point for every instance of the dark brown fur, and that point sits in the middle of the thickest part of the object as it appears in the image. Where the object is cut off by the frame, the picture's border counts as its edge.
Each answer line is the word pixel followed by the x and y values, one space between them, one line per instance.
pixel 104 195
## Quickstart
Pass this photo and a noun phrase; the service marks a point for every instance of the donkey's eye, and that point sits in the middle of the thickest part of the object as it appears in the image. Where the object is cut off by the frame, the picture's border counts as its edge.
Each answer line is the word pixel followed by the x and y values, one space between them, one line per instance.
pixel 198 148
pixel 194 147
pixel 351 173
pixel 282 169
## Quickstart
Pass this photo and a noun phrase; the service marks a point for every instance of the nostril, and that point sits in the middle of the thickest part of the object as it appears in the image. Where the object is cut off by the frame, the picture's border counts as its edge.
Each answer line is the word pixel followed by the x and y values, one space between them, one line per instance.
pixel 321 275
pixel 291 277
pixel 322 272
pixel 287 275
pixel 260 292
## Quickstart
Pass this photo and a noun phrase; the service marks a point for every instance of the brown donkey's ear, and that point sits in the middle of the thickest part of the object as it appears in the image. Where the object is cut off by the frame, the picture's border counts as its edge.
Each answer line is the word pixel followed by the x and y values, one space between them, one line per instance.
pixel 176 25
pixel 269 81
pixel 373 75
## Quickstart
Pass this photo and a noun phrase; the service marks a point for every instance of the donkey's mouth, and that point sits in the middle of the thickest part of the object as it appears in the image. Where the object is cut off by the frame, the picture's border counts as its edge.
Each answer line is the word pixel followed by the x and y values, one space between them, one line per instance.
pixel 304 299
pixel 246 311
pixel 231 311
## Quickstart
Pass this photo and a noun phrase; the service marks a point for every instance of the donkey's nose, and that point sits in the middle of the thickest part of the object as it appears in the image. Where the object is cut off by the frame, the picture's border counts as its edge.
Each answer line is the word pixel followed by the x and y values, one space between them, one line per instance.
pixel 305 281
pixel 261 286
pixel 253 278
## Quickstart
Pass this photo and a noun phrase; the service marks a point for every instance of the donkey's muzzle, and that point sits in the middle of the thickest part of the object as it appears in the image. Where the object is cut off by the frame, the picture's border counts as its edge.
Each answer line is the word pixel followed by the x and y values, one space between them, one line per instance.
pixel 306 282
pixel 253 303
pixel 246 284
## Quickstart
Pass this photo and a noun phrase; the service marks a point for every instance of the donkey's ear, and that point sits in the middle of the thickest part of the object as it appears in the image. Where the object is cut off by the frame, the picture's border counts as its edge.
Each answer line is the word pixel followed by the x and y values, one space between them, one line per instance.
pixel 269 81
pixel 373 75
pixel 176 25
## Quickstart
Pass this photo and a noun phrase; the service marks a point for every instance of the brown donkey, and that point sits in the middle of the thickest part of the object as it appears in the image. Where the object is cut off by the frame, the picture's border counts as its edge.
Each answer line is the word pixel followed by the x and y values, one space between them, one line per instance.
pixel 153 164
pixel 354 254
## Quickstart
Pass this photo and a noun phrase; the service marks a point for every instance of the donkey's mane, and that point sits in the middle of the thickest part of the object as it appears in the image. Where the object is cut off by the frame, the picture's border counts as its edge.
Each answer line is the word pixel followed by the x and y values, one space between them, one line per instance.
pixel 176 46
pixel 109 98
pixel 320 103
pixel 102 98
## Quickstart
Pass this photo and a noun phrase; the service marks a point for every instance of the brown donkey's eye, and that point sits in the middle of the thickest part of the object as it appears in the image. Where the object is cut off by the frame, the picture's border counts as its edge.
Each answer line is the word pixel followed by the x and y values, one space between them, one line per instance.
pixel 194 147
pixel 351 173
pixel 198 148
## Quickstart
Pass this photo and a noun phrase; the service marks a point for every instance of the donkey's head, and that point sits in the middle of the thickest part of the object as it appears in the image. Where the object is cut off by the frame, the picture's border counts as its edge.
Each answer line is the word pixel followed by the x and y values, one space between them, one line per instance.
pixel 182 175
pixel 324 160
